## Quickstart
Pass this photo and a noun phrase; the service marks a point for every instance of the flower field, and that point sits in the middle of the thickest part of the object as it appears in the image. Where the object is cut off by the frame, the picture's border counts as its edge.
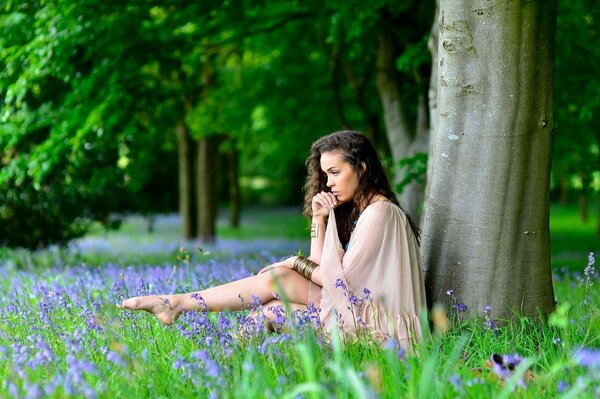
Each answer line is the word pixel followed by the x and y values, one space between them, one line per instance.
pixel 61 335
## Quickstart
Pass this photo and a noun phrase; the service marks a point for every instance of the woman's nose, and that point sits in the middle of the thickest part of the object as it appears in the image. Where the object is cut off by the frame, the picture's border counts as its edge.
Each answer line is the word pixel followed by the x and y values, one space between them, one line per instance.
pixel 329 182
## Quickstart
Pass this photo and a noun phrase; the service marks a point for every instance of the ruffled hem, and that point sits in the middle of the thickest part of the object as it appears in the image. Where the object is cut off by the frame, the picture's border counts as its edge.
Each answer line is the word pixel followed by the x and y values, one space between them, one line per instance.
pixel 371 318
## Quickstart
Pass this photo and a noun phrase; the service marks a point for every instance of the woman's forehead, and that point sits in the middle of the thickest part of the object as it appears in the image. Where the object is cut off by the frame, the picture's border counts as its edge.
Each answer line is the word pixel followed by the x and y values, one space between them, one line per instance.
pixel 331 159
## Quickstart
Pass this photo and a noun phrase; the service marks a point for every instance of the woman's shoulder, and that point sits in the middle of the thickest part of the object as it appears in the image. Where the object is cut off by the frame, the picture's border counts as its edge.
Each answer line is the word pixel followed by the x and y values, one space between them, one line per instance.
pixel 382 209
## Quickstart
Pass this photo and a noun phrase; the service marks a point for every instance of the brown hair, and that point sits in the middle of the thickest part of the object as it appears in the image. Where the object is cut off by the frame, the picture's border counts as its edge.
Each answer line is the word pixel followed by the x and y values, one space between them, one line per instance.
pixel 355 149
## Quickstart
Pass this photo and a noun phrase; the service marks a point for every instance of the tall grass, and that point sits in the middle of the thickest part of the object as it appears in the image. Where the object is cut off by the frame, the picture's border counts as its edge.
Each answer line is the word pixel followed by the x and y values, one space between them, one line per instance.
pixel 62 336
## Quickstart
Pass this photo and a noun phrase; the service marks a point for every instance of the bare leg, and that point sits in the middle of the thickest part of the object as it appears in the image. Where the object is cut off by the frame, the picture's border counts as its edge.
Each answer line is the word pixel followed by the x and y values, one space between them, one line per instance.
pixel 283 281
pixel 270 311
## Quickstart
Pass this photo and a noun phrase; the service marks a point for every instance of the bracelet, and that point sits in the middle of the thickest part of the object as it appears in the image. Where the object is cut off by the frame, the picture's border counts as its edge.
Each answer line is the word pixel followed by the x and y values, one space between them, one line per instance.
pixel 314 230
pixel 304 266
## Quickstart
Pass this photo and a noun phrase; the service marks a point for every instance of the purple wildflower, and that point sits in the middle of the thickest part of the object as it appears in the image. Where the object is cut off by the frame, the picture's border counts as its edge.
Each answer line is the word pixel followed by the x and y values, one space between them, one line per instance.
pixel 561 386
pixel 588 358
pixel 367 293
pixel 115 358
pixel 505 365
pixel 339 283
pixel 461 307
pixel 200 300
pixel 456 381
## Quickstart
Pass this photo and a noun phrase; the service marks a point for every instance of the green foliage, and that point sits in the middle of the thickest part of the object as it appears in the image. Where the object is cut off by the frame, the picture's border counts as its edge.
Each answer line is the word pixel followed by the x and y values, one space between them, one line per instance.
pixel 576 162
pixel 412 168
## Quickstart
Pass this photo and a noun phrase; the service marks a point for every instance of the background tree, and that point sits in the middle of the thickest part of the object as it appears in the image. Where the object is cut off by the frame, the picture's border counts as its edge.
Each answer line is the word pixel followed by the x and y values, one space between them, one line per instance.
pixel 576 157
pixel 486 233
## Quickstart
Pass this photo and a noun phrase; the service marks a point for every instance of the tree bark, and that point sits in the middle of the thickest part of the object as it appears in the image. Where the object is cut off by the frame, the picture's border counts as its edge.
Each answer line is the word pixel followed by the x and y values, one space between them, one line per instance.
pixel 598 214
pixel 185 153
pixel 396 124
pixel 432 44
pixel 401 140
pixel 207 187
pixel 235 199
pixel 486 232
pixel 583 206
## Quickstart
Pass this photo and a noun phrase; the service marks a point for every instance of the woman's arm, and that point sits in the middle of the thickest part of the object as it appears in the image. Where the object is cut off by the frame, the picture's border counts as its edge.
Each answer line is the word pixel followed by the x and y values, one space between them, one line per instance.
pixel 316 276
pixel 321 204
pixel 317 233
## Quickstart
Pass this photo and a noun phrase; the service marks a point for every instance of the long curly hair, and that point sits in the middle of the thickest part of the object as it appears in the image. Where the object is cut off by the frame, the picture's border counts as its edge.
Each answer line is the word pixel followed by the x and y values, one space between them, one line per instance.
pixel 355 149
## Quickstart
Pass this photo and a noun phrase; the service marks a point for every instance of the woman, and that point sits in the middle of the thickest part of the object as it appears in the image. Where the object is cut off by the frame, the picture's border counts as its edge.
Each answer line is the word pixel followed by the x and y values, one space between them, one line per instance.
pixel 362 243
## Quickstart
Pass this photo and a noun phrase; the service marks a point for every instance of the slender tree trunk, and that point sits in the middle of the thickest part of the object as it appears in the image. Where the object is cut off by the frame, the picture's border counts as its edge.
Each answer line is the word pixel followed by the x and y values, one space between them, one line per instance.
pixel 400 137
pixel 336 86
pixel 396 124
pixel 583 206
pixel 185 153
pixel 563 194
pixel 598 218
pixel 414 193
pixel 486 232
pixel 235 199
pixel 207 187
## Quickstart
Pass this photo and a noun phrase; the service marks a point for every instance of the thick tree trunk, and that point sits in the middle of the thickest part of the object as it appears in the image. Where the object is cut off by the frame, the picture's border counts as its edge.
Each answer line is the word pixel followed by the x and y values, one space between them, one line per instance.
pixel 235 198
pixel 185 153
pixel 432 44
pixel 486 233
pixel 207 187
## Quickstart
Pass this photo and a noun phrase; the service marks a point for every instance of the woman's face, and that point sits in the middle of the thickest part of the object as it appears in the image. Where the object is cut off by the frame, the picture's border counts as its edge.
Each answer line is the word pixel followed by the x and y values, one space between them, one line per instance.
pixel 342 179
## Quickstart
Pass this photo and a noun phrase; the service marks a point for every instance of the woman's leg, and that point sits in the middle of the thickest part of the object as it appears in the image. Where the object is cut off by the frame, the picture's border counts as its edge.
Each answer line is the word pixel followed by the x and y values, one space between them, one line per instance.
pixel 282 282
pixel 273 310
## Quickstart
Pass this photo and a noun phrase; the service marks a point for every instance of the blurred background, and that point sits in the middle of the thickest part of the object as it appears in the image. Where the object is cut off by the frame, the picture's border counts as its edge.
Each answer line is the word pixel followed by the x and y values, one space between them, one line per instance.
pixel 191 120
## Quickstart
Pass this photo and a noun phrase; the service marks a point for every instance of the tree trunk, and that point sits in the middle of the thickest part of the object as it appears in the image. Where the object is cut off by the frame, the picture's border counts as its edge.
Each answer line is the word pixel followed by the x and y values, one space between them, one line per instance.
pixel 486 232
pixel 185 154
pixel 207 187
pixel 235 200
pixel 397 128
pixel 598 218
pixel 396 124
pixel 583 206
pixel 563 193
pixel 432 44
pixel 413 194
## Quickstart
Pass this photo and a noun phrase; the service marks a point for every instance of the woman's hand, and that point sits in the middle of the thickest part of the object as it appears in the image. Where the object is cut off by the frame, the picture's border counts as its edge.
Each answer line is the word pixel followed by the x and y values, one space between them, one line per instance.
pixel 322 203
pixel 289 262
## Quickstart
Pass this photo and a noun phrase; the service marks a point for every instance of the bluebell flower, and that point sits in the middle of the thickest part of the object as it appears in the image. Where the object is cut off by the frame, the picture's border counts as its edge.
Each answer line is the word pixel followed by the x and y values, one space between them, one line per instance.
pixel 339 283
pixel 461 307
pixel 561 386
pixel 588 358
pixel 456 381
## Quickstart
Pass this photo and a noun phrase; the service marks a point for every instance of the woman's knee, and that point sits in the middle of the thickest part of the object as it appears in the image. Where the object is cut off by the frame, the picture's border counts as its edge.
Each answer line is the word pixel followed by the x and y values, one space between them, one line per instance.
pixel 278 275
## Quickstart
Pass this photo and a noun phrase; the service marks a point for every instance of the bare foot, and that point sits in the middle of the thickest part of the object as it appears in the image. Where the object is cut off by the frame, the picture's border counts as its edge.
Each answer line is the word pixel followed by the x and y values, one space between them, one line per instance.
pixel 160 306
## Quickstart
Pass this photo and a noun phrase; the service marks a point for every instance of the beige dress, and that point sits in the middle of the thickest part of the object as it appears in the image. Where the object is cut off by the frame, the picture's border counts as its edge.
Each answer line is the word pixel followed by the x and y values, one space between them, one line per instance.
pixel 383 257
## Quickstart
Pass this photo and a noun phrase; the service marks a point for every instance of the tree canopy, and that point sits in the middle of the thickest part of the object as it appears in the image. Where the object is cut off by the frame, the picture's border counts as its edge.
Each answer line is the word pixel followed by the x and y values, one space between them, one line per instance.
pixel 94 93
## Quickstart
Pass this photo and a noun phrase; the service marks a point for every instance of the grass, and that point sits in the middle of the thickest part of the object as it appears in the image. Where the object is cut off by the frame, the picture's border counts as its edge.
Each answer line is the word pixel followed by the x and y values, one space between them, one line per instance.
pixel 61 335
pixel 571 239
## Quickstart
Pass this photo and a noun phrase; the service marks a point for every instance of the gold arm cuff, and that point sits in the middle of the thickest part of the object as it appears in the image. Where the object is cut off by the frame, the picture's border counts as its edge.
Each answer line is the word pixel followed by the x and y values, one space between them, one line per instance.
pixel 304 266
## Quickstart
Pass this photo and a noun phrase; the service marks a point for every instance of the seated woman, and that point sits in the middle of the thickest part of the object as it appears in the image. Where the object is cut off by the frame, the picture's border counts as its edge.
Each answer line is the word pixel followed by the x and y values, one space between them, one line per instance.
pixel 362 243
